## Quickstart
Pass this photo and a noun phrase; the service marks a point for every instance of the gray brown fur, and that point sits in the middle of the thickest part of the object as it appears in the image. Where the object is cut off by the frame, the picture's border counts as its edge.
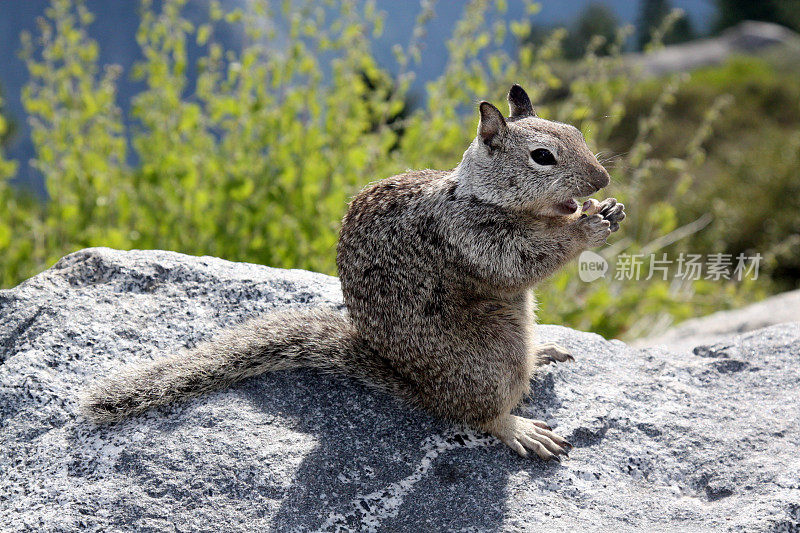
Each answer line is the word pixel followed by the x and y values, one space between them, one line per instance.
pixel 436 270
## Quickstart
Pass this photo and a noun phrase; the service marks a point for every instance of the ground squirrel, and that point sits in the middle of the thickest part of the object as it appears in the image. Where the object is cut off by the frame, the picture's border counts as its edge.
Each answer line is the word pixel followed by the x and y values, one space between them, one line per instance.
pixel 436 269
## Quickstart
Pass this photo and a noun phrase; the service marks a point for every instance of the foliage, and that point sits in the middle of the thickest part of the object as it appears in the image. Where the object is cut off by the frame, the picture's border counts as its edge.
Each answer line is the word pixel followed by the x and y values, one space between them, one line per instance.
pixel 651 17
pixel 595 26
pixel 16 213
pixel 77 131
pixel 732 12
pixel 594 20
pixel 257 159
pixel 748 179
pixel 7 127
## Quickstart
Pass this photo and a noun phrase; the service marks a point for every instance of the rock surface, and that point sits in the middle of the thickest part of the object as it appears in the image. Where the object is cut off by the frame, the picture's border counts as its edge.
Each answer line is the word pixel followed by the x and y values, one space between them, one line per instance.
pixel 663 441
pixel 745 38
pixel 724 325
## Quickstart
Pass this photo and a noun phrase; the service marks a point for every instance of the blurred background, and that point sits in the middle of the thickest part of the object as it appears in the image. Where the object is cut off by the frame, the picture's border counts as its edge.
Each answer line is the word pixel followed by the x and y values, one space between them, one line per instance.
pixel 241 128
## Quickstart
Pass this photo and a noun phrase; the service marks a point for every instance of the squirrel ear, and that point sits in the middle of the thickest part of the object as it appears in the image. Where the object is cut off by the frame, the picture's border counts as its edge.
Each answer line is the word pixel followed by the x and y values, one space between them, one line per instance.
pixel 492 126
pixel 520 103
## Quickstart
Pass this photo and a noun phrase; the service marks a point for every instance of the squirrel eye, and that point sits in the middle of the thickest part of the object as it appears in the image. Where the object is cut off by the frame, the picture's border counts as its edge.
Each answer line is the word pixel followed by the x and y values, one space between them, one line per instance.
pixel 543 156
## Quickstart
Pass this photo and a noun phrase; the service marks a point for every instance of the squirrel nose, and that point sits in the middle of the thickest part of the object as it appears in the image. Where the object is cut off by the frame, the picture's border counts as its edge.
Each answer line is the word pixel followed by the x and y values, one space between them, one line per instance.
pixel 599 176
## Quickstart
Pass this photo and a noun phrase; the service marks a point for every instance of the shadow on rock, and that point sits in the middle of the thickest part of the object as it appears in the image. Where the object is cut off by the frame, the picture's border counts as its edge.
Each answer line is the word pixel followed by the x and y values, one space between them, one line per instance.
pixel 380 464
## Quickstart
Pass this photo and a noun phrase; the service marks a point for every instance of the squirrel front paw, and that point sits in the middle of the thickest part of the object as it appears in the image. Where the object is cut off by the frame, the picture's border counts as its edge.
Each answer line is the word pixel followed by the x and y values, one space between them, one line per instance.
pixel 594 229
pixel 612 211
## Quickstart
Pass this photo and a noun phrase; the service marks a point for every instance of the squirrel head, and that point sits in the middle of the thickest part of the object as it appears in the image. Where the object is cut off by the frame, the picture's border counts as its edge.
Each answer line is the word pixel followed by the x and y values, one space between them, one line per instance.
pixel 526 162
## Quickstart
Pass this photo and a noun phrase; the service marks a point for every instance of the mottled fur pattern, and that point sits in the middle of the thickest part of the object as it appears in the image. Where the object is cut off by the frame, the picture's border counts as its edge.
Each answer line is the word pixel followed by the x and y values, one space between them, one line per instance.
pixel 317 338
pixel 436 269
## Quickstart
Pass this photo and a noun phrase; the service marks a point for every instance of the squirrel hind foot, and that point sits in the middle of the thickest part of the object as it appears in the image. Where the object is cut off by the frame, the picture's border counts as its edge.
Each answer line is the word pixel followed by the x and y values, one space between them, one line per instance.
pixel 553 353
pixel 524 435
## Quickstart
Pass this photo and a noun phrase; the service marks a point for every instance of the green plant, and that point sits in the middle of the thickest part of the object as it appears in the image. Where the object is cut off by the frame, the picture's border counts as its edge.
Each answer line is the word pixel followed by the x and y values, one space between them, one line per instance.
pixel 257 160
pixel 78 133
pixel 745 175
pixel 14 222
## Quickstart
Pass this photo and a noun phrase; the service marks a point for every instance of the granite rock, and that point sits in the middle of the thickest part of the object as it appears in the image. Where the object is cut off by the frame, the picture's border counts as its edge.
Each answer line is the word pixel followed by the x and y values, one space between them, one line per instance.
pixel 724 325
pixel 664 440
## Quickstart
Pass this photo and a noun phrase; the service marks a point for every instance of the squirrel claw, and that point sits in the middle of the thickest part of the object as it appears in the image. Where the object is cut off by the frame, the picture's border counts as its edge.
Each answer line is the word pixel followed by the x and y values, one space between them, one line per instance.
pixel 523 435
pixel 612 211
pixel 553 353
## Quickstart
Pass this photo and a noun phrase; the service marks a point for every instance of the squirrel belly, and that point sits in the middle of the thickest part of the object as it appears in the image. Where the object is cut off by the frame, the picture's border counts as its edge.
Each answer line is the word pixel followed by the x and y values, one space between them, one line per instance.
pixel 465 345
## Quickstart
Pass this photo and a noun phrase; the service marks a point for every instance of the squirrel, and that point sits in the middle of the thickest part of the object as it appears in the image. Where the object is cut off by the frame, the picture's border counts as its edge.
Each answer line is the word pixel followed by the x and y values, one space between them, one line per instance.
pixel 437 270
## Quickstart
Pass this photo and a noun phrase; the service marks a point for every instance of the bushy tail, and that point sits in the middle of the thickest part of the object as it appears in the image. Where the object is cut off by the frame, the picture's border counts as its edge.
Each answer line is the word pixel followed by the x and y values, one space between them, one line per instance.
pixel 320 338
